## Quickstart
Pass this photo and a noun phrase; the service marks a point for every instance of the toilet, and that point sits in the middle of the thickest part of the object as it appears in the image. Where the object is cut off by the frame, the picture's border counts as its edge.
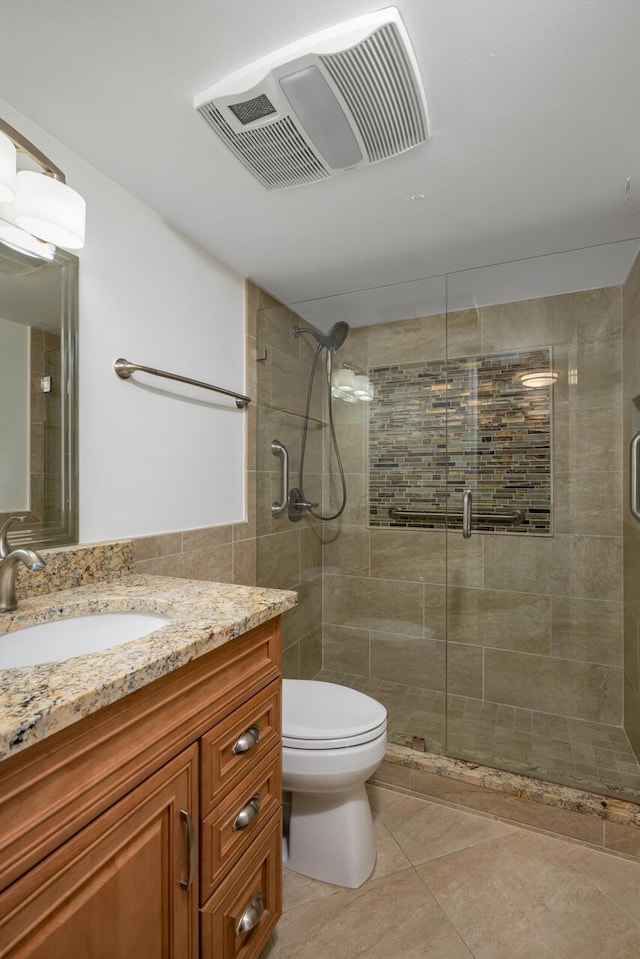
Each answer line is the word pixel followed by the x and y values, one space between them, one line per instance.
pixel 333 739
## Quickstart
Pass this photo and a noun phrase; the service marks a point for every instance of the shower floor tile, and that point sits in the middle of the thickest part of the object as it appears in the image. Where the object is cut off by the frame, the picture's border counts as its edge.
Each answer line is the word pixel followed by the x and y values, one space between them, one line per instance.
pixel 586 755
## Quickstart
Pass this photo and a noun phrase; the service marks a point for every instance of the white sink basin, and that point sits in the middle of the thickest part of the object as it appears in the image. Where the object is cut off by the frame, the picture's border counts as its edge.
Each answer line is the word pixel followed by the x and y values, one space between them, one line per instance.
pixel 77 636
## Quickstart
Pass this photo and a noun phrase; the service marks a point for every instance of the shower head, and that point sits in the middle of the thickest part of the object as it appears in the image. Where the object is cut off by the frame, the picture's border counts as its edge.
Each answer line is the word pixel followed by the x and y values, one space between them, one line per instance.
pixel 337 335
pixel 332 341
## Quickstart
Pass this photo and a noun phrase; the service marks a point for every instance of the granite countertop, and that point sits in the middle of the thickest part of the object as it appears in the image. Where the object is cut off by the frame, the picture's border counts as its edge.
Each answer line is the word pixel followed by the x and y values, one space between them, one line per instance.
pixel 36 701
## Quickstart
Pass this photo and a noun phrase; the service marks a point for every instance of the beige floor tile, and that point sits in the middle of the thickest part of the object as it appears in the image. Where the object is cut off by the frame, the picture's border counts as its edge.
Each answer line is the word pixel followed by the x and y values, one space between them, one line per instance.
pixel 426 831
pixel 514 808
pixel 269 951
pixel 578 923
pixel 390 856
pixel 616 878
pixel 519 897
pixel 379 797
pixel 297 890
pixel 384 919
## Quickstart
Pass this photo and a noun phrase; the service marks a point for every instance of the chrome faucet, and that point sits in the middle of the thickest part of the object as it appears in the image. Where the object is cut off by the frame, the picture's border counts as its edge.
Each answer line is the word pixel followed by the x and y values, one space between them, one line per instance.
pixel 9 561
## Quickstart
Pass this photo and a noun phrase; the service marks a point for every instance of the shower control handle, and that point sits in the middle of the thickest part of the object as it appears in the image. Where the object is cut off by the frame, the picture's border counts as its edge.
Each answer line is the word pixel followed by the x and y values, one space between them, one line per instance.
pixel 279 449
pixel 467 509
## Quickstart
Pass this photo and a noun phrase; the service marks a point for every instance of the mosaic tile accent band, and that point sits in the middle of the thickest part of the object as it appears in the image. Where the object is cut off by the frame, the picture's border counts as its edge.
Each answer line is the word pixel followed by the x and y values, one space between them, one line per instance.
pixel 443 426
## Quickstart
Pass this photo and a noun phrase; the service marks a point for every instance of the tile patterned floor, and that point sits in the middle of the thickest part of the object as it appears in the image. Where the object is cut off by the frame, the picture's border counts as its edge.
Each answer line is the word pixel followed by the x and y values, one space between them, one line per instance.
pixel 449 884
pixel 593 756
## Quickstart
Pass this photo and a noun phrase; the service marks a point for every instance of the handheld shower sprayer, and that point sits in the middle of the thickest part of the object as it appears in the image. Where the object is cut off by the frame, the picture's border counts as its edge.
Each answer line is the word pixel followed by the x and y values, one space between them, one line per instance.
pixel 331 342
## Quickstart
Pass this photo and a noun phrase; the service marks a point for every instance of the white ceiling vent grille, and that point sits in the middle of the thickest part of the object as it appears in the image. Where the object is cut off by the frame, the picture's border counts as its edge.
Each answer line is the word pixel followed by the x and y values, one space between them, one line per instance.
pixel 333 102
pixel 379 87
pixel 276 153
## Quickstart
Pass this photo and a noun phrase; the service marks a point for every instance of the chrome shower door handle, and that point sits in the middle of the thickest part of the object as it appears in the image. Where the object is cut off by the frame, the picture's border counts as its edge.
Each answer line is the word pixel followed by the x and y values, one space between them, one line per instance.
pixel 279 449
pixel 467 509
pixel 634 472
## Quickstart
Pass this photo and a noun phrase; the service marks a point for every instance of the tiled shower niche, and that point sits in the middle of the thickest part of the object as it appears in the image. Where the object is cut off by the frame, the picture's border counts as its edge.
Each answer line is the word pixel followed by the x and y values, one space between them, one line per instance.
pixel 437 428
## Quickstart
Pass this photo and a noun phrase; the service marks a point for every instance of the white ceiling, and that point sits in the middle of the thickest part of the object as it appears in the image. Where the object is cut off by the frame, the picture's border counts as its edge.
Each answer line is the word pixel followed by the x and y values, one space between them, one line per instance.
pixel 533 107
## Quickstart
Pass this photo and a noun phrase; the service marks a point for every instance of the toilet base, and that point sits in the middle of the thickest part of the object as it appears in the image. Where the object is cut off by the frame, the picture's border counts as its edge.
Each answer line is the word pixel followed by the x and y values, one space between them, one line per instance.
pixel 331 837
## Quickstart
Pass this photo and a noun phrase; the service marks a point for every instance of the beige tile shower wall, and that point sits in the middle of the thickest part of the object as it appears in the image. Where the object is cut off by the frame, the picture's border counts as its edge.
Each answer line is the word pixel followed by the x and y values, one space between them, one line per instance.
pixel 218 554
pixel 631 420
pixel 532 621
pixel 289 555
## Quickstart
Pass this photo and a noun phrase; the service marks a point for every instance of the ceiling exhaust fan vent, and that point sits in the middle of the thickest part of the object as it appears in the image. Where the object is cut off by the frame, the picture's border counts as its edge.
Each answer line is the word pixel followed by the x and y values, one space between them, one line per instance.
pixel 379 87
pixel 339 100
pixel 276 154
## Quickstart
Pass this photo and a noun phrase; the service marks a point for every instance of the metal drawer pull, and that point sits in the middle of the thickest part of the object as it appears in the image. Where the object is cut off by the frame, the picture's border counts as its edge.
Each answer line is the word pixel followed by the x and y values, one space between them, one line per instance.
pixel 251 915
pixel 193 850
pixel 248 740
pixel 246 816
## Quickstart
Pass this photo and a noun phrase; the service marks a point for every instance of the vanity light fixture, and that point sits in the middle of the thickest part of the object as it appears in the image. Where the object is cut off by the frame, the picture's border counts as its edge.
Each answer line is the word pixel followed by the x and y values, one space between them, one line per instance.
pixel 12 236
pixel 39 202
pixel 7 169
pixel 537 379
pixel 351 384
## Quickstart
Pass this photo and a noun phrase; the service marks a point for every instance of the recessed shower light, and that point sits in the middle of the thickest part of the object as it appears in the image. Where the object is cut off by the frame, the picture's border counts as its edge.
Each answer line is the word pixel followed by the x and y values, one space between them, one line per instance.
pixel 536 379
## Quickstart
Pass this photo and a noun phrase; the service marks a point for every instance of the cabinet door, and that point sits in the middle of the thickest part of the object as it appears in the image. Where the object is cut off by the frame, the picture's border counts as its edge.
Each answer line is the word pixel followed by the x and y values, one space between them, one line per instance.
pixel 116 890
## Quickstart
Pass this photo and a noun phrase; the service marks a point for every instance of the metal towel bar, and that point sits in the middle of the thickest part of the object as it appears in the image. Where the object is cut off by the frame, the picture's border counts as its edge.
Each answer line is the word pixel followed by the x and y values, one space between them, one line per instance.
pixel 515 518
pixel 124 369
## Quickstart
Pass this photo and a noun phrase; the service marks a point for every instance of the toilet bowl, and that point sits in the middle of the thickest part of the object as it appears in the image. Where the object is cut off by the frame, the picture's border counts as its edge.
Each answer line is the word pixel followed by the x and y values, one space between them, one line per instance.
pixel 333 739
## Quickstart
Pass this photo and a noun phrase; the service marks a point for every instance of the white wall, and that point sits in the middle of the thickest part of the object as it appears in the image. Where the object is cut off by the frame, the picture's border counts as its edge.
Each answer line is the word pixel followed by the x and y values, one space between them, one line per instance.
pixel 151 461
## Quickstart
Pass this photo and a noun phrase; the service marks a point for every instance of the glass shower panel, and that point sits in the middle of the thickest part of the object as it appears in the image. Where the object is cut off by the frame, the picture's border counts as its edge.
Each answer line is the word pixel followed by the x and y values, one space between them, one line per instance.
pixel 401 582
pixel 534 586
pixel 370 585
pixel 288 554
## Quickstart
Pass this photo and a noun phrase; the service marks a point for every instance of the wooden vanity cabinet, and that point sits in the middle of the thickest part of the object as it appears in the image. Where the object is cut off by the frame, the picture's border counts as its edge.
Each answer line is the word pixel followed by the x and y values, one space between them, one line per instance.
pixel 114 889
pixel 140 831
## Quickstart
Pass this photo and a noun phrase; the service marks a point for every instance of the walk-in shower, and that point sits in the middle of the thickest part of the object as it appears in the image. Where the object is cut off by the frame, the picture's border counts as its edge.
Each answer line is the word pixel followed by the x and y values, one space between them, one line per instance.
pixel 515 646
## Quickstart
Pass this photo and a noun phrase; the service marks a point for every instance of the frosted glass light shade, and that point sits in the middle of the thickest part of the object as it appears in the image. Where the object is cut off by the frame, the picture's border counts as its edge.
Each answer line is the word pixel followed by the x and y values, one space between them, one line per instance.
pixel 7 169
pixel 11 235
pixel 50 209
pixel 362 388
pixel 344 380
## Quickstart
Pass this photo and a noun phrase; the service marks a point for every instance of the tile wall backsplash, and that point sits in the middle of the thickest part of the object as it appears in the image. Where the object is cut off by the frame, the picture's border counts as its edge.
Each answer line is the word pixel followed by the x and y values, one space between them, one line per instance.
pixel 440 426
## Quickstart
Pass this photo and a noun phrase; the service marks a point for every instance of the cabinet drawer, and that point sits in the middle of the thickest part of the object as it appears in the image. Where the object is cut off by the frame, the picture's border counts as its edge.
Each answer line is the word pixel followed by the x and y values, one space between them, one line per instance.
pixel 232 748
pixel 251 892
pixel 237 819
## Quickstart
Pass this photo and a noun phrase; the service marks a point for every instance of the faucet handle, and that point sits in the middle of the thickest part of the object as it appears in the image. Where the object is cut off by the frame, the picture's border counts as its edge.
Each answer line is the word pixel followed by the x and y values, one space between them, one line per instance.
pixel 5 547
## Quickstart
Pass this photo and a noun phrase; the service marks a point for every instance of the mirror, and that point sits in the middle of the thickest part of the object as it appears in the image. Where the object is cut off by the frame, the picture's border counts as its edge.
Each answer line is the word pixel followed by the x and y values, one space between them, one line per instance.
pixel 38 388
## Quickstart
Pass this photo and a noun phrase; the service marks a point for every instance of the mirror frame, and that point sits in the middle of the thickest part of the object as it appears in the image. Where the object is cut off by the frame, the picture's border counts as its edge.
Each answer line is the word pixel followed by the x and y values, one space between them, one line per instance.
pixel 64 533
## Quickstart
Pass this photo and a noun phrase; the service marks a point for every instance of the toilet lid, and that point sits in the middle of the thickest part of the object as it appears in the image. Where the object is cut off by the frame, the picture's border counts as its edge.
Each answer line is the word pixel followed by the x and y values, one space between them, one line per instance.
pixel 325 715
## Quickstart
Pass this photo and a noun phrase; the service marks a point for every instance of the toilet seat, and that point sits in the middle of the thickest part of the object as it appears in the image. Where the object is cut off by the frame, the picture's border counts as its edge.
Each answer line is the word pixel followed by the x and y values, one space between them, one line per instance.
pixel 317 715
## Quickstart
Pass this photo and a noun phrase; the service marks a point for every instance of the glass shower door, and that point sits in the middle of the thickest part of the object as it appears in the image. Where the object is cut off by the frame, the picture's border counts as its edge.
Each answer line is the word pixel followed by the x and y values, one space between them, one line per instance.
pixel 534 586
